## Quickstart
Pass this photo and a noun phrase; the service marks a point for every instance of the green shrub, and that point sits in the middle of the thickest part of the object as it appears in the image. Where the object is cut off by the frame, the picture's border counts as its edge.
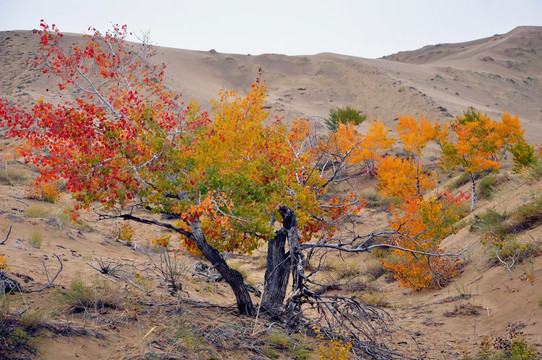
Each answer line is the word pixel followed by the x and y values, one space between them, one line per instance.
pixel 511 346
pixel 346 115
pixel 19 334
pixel 490 222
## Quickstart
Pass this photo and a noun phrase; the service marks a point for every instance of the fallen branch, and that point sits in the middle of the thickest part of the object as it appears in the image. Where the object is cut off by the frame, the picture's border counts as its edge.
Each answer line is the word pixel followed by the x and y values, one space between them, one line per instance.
pixel 7 236
pixel 50 284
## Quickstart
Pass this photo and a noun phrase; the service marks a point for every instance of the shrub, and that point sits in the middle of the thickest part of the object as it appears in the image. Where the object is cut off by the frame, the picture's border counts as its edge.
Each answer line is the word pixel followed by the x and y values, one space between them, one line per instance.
pixel 79 298
pixel 490 222
pixel 336 348
pixel 3 263
pixel 44 191
pixel 346 115
pixel 125 232
pixel 19 334
pixel 511 346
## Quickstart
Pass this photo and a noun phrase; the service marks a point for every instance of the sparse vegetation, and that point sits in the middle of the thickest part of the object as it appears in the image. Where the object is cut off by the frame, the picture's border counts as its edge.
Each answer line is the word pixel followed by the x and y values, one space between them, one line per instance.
pixel 19 334
pixel 511 345
pixel 36 239
pixel 82 298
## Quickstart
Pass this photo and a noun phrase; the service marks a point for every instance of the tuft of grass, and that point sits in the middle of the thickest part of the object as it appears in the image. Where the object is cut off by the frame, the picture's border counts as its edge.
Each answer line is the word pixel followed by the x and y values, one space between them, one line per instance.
pixel 486 187
pixel 35 211
pixel 462 179
pixel 376 298
pixel 490 222
pixel 347 269
pixel 12 176
pixel 277 341
pixel 80 298
pixel 512 346
pixel 376 270
pixel 35 239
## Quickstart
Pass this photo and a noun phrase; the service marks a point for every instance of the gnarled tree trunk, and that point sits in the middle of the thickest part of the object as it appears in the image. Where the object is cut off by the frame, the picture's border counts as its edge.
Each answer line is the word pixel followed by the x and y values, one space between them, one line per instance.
pixel 232 277
pixel 276 274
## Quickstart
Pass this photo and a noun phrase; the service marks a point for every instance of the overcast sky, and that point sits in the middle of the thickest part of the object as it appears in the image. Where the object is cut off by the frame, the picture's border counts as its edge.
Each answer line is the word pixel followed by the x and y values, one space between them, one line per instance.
pixel 364 28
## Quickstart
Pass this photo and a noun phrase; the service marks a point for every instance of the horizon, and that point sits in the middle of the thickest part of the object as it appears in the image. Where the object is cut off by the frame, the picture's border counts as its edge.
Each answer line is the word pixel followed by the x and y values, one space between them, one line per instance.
pixel 354 28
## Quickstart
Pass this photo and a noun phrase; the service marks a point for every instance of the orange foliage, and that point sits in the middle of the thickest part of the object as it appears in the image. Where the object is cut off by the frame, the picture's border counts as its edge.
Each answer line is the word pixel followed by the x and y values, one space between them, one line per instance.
pixel 402 178
pixel 363 148
pixel 43 190
pixel 421 225
pixel 416 134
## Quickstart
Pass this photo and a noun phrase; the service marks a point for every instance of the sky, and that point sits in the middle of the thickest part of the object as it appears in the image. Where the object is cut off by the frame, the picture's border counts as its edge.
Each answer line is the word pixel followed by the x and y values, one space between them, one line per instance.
pixel 362 28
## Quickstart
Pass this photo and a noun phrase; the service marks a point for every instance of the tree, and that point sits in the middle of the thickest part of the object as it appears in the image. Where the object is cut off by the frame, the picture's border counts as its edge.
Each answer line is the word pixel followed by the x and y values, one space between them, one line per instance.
pixel 347 115
pixel 127 143
pixel 421 224
pixel 480 143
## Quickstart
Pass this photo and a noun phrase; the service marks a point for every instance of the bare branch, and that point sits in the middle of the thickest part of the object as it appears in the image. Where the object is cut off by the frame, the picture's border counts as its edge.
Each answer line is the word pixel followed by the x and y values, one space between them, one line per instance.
pixel 7 236
pixel 50 284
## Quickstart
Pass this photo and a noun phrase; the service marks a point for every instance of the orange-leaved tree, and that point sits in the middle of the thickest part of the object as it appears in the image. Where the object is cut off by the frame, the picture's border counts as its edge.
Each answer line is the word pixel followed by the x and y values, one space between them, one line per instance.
pixel 480 142
pixel 420 225
pixel 123 140
pixel 401 177
pixel 363 149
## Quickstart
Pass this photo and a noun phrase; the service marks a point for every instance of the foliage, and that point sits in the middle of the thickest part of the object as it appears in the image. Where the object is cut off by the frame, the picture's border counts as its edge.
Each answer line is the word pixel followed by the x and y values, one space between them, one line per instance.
pixel 3 263
pixel 44 190
pixel 415 135
pixel 336 348
pixel 122 139
pixel 365 149
pixel 124 232
pixel 524 155
pixel 421 224
pixel 402 177
pixel 19 334
pixel 347 115
pixel 480 142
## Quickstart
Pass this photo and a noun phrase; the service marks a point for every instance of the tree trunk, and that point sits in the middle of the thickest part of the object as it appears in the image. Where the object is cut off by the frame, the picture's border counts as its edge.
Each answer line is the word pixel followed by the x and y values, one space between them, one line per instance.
pixel 297 262
pixel 232 277
pixel 473 191
pixel 276 274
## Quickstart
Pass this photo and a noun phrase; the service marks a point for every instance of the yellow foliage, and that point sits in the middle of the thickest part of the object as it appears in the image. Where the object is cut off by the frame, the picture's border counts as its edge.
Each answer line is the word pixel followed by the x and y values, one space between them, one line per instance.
pixel 333 349
pixel 44 190
pixel 125 232
pixel 3 263
pixel 363 148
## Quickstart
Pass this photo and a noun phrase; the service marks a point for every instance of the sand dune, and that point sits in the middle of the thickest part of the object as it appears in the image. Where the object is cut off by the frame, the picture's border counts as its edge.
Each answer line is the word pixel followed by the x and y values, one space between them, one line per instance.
pixel 499 73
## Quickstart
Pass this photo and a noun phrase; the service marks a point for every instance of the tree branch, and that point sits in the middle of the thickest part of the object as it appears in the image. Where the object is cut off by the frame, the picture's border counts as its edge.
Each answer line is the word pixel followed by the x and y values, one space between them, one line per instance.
pixel 7 236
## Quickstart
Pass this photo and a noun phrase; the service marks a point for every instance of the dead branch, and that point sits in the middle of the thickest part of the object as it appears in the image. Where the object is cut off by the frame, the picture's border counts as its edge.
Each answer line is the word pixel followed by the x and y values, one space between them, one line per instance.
pixel 207 271
pixel 7 236
pixel 9 284
pixel 50 284
pixel 113 269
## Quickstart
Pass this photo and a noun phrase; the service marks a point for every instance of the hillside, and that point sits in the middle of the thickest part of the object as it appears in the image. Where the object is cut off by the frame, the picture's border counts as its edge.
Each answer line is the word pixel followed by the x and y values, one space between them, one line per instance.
pixel 110 300
pixel 495 74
